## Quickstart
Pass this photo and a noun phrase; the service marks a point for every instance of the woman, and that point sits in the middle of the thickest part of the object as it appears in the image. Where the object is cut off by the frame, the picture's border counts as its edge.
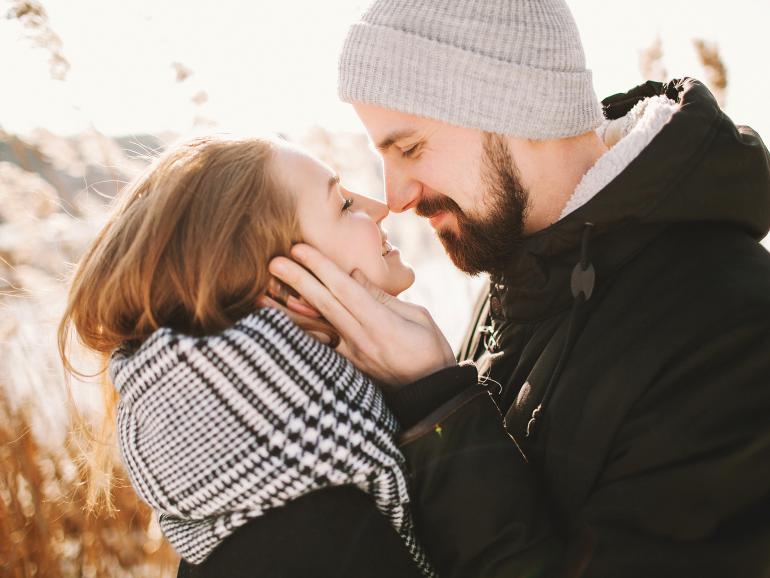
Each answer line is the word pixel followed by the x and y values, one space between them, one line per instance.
pixel 263 451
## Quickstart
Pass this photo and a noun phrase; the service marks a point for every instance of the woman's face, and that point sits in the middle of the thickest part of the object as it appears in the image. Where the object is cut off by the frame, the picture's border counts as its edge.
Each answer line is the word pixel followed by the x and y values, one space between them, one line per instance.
pixel 343 225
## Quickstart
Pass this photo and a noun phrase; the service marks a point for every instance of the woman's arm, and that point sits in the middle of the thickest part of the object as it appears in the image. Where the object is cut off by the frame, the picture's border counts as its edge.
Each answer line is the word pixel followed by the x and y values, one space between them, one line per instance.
pixel 330 532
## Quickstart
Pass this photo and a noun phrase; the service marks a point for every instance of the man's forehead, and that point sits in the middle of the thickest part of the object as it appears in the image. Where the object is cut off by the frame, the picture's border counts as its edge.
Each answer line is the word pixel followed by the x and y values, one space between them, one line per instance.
pixel 380 121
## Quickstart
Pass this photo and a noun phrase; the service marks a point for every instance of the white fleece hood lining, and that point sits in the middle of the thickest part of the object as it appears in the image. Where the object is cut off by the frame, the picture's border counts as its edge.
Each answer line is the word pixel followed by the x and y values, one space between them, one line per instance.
pixel 626 138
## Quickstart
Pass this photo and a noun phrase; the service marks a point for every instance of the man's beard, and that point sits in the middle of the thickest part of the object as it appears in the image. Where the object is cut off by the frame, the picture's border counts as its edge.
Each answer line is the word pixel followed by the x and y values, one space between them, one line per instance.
pixel 486 245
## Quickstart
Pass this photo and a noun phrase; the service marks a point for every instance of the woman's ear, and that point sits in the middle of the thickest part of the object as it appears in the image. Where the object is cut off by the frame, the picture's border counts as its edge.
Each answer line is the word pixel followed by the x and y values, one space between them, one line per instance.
pixel 289 298
pixel 299 305
pixel 315 326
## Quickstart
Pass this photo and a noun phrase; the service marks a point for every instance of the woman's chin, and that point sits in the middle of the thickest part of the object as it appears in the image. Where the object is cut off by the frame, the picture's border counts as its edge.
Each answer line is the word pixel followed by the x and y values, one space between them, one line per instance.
pixel 400 282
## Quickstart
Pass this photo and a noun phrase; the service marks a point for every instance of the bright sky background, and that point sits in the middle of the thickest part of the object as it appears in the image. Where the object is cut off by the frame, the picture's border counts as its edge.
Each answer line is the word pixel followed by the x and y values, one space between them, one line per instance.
pixel 272 65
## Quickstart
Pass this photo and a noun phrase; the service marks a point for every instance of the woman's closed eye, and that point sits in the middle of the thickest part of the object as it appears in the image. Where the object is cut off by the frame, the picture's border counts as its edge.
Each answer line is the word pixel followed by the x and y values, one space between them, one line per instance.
pixel 347 204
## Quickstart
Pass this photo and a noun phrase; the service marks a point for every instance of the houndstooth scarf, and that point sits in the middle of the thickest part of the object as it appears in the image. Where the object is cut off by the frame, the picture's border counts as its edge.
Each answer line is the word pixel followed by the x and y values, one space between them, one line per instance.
pixel 217 430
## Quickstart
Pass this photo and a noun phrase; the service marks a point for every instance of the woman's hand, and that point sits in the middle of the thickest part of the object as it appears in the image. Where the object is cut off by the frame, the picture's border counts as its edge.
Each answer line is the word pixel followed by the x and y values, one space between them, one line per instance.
pixel 392 341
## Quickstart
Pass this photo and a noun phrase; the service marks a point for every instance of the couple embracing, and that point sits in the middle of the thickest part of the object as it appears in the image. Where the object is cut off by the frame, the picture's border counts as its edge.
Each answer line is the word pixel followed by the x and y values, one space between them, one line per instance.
pixel 287 415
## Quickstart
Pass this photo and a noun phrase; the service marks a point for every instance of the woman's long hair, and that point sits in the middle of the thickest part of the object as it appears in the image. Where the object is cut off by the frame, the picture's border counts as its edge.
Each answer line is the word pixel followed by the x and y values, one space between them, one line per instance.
pixel 186 247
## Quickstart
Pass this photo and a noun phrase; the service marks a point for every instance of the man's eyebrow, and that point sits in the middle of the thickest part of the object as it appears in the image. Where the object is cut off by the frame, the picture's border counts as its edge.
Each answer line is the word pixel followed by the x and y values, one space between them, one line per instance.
pixel 393 137
pixel 334 180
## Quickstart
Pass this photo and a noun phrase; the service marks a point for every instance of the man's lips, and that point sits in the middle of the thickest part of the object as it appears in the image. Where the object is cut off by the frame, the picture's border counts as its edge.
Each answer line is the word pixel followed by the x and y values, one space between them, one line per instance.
pixel 437 218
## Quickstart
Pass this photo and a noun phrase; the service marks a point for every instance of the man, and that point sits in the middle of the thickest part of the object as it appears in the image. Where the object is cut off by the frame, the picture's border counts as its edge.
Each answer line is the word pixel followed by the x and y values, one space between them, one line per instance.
pixel 626 335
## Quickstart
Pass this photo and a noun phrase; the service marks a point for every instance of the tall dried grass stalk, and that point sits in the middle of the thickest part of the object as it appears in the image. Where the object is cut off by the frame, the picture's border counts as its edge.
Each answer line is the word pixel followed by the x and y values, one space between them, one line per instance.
pixel 33 17
pixel 716 71
pixel 651 62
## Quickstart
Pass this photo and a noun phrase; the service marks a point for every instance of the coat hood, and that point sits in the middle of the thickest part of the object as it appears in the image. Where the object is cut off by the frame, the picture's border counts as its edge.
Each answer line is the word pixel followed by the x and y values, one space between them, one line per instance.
pixel 699 168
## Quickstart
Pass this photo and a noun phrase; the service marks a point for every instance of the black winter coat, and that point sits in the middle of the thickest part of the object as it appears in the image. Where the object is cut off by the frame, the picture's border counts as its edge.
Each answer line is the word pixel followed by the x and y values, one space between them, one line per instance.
pixel 627 348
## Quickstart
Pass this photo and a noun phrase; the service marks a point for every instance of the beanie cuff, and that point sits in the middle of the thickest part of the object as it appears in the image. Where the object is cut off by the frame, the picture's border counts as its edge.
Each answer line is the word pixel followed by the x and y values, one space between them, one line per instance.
pixel 401 71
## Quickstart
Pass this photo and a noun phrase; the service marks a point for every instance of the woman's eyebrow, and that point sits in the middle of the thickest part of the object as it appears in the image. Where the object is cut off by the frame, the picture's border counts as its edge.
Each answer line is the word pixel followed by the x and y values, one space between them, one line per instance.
pixel 334 180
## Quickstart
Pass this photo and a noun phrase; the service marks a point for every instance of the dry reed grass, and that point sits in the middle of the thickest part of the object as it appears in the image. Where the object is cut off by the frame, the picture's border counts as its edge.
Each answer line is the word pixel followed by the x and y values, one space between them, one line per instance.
pixel 44 530
pixel 715 68
pixel 32 16
pixel 651 63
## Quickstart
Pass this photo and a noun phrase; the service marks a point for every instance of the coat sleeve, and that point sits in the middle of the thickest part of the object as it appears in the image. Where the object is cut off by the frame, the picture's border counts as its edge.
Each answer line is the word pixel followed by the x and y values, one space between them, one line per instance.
pixel 477 509
pixel 334 532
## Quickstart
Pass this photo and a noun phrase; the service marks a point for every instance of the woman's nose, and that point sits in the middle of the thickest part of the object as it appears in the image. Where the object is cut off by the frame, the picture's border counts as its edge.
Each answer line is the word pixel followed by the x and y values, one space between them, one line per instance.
pixel 377 210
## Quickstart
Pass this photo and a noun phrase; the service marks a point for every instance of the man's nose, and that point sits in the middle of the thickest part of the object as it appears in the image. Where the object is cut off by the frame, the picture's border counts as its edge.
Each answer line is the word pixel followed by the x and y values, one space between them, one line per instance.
pixel 402 192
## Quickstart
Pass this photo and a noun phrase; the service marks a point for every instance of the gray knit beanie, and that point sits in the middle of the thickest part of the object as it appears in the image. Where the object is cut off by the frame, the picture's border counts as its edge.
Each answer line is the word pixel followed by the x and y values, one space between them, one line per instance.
pixel 512 67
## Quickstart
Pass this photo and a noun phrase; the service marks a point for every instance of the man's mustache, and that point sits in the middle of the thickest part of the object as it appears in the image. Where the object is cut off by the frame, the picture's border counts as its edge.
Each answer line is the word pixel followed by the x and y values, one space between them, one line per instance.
pixel 429 206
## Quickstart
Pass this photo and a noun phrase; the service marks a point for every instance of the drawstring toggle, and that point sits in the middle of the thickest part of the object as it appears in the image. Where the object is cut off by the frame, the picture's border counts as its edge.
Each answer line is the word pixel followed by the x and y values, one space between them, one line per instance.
pixel 583 280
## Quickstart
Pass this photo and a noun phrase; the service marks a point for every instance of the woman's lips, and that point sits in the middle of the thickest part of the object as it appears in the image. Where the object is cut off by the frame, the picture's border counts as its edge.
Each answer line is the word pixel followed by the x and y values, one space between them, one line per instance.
pixel 387 248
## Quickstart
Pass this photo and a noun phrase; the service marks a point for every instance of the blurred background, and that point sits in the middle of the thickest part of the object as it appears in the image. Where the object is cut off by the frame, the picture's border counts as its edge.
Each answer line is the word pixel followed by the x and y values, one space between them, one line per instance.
pixel 90 90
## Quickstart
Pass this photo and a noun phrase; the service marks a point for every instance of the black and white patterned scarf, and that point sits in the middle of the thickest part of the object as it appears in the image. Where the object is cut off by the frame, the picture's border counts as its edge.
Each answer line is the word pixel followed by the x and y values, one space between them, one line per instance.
pixel 217 430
